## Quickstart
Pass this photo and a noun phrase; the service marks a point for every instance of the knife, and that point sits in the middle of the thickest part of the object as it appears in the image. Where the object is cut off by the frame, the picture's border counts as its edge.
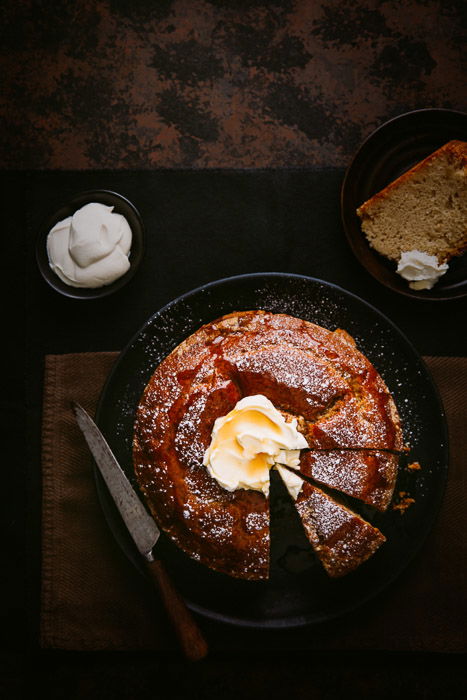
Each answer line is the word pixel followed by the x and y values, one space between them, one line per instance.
pixel 145 534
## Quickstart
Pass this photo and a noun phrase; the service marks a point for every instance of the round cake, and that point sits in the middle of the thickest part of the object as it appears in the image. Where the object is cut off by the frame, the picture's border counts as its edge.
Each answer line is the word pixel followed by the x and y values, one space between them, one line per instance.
pixel 313 375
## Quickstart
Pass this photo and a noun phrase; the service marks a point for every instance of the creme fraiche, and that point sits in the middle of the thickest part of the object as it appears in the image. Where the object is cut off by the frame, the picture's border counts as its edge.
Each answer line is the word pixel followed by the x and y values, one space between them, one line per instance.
pixel 91 248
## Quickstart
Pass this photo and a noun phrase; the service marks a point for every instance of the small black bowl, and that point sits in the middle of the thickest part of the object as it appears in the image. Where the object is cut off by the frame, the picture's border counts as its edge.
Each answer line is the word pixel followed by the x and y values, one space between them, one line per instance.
pixel 121 206
pixel 391 150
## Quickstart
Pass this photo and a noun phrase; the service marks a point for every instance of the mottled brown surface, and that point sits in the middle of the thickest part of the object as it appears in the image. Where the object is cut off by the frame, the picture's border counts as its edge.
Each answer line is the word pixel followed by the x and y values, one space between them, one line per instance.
pixel 210 83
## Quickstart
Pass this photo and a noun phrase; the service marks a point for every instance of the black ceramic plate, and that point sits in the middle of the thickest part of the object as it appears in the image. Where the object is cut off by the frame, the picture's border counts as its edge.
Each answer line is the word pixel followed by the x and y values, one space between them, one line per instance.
pixel 390 151
pixel 298 591
pixel 121 206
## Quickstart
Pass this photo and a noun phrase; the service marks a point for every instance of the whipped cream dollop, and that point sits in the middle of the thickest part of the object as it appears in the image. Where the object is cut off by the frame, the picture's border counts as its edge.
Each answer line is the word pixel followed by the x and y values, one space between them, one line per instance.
pixel 421 270
pixel 248 442
pixel 90 248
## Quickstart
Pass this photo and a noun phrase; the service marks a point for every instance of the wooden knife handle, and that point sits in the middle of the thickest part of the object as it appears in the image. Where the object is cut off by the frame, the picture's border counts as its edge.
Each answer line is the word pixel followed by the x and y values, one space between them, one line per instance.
pixel 189 635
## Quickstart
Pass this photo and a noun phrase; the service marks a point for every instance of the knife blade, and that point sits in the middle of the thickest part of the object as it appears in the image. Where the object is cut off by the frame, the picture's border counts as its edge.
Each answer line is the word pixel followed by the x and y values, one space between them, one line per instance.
pixel 139 523
pixel 144 532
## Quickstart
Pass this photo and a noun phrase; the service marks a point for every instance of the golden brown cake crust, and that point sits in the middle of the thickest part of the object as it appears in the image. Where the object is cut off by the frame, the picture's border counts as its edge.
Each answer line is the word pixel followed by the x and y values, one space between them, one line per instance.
pixel 341 539
pixel 307 371
pixel 456 152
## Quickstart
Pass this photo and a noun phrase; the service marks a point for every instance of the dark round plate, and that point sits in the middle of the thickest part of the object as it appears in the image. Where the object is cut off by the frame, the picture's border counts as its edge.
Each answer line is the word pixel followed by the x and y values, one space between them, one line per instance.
pixel 387 153
pixel 298 592
pixel 121 206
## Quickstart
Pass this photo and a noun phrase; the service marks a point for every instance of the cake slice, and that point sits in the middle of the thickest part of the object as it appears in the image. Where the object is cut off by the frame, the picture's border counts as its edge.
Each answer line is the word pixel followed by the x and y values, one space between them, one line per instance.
pixel 340 538
pixel 367 419
pixel 425 209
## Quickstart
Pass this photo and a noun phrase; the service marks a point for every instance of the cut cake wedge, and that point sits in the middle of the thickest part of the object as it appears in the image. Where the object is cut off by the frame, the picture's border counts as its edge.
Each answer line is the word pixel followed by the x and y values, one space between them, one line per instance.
pixel 340 538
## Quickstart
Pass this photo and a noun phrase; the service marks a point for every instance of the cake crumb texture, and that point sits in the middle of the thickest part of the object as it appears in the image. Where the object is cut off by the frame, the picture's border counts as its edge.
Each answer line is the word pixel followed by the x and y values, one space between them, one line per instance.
pixel 424 209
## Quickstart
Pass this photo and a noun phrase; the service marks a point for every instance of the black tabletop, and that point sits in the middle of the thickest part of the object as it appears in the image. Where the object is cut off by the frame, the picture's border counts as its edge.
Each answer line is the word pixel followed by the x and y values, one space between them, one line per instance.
pixel 200 226
pixel 207 225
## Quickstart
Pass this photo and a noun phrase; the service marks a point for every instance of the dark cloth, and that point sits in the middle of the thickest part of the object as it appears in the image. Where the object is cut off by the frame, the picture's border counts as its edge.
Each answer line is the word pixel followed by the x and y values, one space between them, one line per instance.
pixel 93 597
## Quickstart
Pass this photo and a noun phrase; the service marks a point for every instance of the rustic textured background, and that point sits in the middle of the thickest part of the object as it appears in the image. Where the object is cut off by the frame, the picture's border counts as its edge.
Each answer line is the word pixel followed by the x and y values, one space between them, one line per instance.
pixel 217 83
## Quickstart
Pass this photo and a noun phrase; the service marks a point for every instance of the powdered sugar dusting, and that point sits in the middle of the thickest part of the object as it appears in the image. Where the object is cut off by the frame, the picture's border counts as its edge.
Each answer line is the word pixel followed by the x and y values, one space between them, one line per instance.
pixel 303 298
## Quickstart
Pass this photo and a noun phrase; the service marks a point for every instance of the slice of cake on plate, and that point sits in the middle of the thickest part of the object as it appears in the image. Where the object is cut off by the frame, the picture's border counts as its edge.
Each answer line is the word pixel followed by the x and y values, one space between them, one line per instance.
pixel 341 539
pixel 420 219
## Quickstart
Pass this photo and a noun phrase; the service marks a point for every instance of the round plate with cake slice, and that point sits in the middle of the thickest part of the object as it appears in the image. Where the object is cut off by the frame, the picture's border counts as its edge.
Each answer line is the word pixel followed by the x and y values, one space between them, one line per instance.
pixel 359 393
pixel 406 190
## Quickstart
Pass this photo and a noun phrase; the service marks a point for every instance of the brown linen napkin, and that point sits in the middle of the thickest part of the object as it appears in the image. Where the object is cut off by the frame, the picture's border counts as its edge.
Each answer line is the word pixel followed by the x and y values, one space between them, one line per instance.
pixel 92 597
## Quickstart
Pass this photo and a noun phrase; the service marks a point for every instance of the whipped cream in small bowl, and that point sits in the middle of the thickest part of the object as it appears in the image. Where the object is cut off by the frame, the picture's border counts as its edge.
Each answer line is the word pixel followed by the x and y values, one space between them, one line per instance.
pixel 91 246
